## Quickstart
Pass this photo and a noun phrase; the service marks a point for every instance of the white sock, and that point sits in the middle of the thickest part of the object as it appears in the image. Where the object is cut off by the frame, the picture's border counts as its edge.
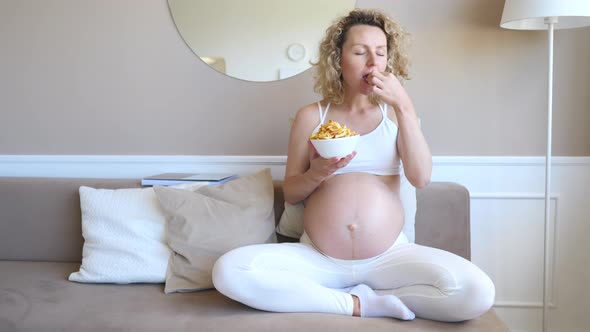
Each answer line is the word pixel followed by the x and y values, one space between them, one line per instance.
pixel 373 305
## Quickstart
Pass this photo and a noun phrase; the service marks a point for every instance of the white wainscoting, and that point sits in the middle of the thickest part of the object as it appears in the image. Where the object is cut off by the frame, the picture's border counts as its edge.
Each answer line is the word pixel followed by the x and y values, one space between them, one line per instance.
pixel 507 215
pixel 507 207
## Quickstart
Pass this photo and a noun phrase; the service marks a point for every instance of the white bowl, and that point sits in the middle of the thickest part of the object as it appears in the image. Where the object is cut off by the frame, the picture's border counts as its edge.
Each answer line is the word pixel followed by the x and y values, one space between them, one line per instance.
pixel 335 147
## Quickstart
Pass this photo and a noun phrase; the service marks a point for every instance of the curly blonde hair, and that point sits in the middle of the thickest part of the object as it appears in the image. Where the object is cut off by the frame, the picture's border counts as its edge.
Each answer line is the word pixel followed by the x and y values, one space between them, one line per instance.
pixel 328 77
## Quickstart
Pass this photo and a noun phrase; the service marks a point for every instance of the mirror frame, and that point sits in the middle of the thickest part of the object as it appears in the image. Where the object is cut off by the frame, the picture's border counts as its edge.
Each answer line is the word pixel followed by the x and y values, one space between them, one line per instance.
pixel 289 54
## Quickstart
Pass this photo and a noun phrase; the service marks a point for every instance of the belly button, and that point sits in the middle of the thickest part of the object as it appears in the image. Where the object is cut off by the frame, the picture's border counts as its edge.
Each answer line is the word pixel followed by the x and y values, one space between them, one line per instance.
pixel 352 227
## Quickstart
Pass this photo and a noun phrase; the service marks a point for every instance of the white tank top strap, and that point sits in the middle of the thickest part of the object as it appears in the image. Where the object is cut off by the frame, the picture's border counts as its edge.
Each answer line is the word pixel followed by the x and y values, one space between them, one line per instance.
pixel 323 113
pixel 383 108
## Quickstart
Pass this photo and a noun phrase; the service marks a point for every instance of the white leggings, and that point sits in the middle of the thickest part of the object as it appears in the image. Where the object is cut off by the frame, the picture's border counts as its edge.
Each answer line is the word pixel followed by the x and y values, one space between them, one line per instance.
pixel 296 277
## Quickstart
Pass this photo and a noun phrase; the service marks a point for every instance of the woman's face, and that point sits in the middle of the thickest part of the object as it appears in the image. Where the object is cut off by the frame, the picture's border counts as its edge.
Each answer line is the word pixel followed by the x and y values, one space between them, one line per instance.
pixel 364 51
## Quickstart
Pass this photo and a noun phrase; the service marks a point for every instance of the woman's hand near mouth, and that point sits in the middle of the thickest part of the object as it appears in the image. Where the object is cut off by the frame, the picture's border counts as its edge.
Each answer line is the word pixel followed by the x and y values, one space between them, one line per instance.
pixel 387 87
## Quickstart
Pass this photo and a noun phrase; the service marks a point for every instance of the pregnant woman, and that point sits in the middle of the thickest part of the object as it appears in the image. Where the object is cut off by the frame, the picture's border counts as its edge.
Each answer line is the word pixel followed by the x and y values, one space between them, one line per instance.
pixel 353 258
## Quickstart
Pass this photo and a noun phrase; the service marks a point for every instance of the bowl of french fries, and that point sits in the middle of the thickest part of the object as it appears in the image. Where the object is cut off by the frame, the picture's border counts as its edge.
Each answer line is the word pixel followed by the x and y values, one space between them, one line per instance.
pixel 334 140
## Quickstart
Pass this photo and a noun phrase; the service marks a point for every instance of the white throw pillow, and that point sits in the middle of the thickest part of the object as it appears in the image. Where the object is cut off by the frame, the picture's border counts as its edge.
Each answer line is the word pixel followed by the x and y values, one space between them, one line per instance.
pixel 291 222
pixel 124 236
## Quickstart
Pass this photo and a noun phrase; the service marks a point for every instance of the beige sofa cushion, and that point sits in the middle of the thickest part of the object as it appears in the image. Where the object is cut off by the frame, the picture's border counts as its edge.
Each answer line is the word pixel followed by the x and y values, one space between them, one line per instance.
pixel 204 224
pixel 36 296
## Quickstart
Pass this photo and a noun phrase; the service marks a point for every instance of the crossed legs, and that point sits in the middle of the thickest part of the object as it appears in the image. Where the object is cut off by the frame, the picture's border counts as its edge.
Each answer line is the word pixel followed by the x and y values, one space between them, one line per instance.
pixel 295 277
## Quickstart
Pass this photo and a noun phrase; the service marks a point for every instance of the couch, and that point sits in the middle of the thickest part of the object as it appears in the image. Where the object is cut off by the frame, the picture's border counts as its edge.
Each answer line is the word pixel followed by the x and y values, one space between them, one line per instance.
pixel 41 244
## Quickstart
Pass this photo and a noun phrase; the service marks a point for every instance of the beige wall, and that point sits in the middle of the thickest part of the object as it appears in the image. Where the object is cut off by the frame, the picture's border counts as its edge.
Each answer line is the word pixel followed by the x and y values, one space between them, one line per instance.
pixel 115 77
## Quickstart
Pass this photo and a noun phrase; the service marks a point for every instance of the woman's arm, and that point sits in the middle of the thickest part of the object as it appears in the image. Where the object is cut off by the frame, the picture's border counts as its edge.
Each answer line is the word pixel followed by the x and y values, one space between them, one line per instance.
pixel 412 147
pixel 411 144
pixel 305 168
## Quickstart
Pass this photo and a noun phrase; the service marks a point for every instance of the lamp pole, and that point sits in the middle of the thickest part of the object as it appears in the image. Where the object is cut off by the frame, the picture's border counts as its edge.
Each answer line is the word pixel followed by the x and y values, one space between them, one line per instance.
pixel 541 15
pixel 550 21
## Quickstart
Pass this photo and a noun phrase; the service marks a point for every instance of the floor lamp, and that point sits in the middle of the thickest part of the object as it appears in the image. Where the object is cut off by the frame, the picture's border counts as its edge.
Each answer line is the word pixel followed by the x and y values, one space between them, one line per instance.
pixel 546 15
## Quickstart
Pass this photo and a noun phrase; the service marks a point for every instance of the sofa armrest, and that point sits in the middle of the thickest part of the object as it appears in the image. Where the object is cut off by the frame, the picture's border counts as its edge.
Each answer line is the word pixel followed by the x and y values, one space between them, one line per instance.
pixel 442 218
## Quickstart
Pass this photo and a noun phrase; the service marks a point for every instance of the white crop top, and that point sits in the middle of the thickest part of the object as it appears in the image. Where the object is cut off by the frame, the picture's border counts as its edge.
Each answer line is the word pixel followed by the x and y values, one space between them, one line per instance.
pixel 376 151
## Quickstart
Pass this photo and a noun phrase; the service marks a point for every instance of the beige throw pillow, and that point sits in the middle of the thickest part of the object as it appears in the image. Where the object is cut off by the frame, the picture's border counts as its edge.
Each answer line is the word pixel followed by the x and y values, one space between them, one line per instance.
pixel 204 224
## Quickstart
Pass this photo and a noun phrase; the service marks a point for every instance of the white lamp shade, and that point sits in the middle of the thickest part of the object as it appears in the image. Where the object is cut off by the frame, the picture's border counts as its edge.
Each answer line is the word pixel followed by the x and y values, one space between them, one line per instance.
pixel 531 14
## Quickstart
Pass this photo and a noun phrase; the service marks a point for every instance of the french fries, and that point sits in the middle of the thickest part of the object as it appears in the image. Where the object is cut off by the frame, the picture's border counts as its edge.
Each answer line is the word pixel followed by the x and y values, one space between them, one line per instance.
pixel 332 129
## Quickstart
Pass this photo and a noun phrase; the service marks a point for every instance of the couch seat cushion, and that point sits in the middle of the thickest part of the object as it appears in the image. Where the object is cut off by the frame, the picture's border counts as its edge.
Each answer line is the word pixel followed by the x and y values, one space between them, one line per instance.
pixel 36 296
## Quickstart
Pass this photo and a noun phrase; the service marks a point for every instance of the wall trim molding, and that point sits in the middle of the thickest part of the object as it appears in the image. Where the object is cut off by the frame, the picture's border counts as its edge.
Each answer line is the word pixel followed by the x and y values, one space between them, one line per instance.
pixel 510 160
pixel 132 166
pixel 84 159
pixel 523 304
pixel 553 226
pixel 510 195
pixel 490 160
pixel 136 166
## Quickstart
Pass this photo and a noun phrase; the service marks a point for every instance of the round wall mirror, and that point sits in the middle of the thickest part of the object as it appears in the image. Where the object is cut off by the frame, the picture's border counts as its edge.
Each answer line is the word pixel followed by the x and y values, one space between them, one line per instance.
pixel 256 40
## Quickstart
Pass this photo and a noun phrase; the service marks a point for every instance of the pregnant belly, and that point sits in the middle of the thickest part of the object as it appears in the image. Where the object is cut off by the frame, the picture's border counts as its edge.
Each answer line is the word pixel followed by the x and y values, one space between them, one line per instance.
pixel 354 215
